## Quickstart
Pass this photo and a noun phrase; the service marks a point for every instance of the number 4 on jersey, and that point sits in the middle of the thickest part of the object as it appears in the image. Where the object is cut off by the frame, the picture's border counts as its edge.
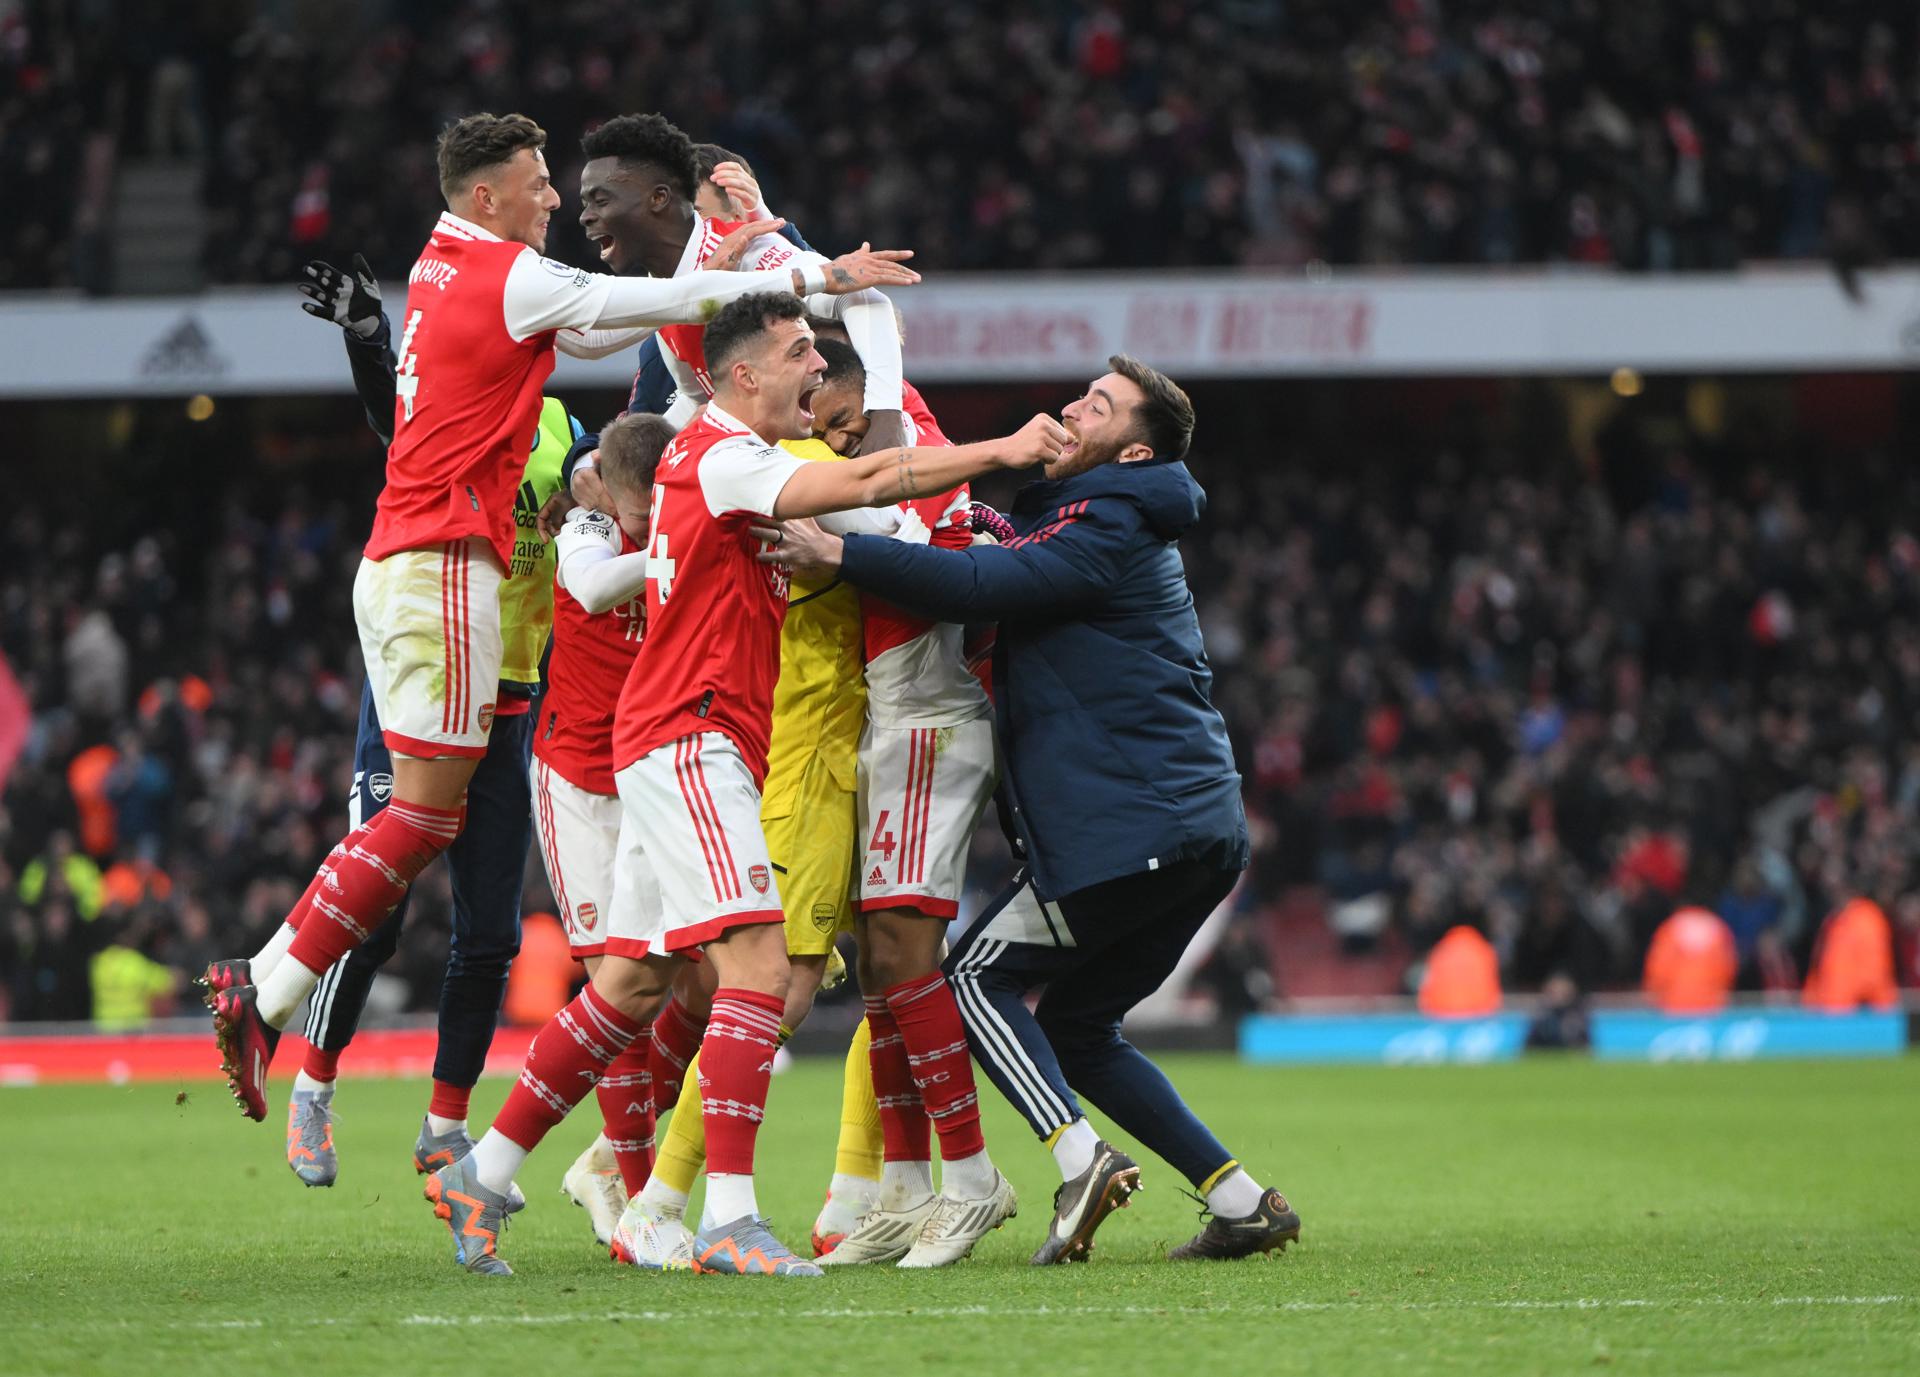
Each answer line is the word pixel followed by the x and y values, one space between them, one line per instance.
pixel 659 561
pixel 406 378
pixel 884 845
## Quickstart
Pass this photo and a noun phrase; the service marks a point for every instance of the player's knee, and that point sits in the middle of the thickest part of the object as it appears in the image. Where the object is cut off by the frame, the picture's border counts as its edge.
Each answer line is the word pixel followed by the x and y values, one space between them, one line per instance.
pixel 753 958
pixel 901 945
pixel 803 984
pixel 635 988
pixel 1074 1037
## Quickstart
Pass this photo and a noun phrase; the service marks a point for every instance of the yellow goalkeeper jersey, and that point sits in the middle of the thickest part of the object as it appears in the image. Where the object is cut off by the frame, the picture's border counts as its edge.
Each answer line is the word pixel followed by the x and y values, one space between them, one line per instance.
pixel 820 702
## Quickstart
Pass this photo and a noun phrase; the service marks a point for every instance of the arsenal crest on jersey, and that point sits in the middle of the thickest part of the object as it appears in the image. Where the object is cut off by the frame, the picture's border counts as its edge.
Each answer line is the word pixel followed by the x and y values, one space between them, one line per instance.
pixel 758 877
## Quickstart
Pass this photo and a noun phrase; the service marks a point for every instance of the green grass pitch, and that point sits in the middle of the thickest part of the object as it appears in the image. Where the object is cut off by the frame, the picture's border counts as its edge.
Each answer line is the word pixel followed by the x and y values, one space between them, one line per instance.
pixel 1547 1217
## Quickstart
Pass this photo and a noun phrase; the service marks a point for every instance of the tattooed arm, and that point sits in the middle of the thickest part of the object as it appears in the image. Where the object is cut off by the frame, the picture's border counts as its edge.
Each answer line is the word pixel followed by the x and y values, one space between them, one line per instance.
pixel 898 475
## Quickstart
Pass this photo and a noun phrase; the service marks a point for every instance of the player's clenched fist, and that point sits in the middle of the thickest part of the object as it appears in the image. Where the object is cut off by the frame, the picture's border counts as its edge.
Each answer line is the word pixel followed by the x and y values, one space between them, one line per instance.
pixel 867 267
pixel 1039 441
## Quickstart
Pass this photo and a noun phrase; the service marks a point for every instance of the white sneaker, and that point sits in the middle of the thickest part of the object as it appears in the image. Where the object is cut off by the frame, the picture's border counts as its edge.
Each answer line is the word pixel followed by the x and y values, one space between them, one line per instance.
pixel 655 1242
pixel 881 1235
pixel 594 1183
pixel 954 1226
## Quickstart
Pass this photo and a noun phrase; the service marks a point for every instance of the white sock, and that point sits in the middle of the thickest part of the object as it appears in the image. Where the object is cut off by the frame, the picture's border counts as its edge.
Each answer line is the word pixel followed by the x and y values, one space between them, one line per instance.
pixel 496 1160
pixel 903 1184
pixel 968 1178
pixel 707 1220
pixel 599 1154
pixel 280 994
pixel 848 1197
pixel 729 1197
pixel 1235 1195
pixel 663 1200
pixel 439 1126
pixel 1073 1149
pixel 260 965
pixel 321 1090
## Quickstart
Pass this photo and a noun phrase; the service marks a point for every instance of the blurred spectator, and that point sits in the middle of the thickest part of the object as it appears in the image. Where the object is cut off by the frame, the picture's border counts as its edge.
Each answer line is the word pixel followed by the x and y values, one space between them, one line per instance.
pixel 1560 1020
pixel 130 987
pixel 1691 134
pixel 1691 964
pixel 1853 961
pixel 1462 978
pixel 75 871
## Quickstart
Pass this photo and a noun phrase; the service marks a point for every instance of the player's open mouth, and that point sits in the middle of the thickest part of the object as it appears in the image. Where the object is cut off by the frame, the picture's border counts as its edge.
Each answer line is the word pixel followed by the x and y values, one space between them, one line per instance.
pixel 806 404
pixel 605 241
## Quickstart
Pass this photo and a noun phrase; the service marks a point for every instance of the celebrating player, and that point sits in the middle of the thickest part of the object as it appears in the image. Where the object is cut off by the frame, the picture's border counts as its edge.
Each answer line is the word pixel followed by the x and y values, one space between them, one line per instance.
pixel 926 773
pixel 690 752
pixel 484 864
pixel 484 316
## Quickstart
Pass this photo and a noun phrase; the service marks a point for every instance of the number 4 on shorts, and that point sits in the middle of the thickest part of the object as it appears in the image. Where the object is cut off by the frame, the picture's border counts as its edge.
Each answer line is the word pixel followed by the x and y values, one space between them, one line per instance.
pixel 884 845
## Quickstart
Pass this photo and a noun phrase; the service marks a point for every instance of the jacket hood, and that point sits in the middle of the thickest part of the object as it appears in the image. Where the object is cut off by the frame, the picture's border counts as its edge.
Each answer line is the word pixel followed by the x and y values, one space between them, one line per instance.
pixel 1163 489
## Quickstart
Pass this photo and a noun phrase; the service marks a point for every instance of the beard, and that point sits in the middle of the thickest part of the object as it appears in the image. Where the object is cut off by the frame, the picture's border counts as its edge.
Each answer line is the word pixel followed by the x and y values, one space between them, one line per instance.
pixel 1091 454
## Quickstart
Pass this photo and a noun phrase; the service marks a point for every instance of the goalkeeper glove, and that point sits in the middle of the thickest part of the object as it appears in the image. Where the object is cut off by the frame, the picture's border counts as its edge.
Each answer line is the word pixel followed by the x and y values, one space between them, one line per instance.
pixel 349 300
pixel 986 521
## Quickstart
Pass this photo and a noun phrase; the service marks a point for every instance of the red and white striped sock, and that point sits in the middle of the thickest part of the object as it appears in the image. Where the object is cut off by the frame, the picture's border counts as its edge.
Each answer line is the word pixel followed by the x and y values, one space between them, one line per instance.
pixel 356 894
pixel 626 1103
pixel 936 1044
pixel 906 1133
pixel 566 1059
pixel 676 1037
pixel 736 1068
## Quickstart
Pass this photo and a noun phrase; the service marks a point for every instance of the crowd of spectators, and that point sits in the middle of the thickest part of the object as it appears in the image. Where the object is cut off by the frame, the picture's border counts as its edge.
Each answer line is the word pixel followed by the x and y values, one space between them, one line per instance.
pixel 1131 133
pixel 1552 700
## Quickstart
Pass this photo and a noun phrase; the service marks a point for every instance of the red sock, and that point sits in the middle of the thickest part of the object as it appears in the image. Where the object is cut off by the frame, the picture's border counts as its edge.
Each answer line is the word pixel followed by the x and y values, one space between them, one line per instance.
pixel 370 871
pixel 676 1037
pixel 322 1065
pixel 567 1057
pixel 304 904
pixel 929 1022
pixel 736 1066
pixel 449 1101
pixel 626 1103
pixel 906 1134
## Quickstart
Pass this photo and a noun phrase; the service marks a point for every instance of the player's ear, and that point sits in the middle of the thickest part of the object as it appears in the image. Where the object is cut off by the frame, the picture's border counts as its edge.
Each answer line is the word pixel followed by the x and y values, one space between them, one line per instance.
pixel 1135 452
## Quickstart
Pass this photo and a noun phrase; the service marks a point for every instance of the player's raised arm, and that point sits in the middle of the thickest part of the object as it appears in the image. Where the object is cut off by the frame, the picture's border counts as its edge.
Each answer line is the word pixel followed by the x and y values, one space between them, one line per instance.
pixel 542 294
pixel 897 475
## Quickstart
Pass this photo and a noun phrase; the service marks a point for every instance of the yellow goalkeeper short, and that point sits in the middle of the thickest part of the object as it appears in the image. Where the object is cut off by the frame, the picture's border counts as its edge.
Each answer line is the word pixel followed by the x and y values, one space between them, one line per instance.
pixel 812 847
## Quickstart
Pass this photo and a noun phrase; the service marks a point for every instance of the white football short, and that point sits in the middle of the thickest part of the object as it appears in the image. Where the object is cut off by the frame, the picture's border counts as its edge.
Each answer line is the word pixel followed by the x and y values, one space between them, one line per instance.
pixel 692 862
pixel 922 790
pixel 429 625
pixel 578 831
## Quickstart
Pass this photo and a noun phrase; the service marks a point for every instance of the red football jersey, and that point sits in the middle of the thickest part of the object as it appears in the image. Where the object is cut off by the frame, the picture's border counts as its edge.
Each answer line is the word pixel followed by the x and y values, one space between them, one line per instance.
pixel 687 342
pixel 592 654
pixel 714 612
pixel 468 399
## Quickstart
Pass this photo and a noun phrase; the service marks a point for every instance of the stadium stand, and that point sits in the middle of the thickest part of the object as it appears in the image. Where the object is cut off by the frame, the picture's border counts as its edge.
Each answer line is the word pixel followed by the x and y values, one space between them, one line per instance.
pixel 1691 134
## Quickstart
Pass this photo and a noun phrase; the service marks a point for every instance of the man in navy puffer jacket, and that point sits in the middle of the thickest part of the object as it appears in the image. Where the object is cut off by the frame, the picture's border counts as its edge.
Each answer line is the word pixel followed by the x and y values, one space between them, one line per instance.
pixel 1120 792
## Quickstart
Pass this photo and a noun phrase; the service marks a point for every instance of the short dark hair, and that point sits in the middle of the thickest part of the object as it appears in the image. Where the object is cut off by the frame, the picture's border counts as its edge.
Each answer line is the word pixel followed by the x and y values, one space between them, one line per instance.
pixel 1163 420
pixel 707 156
pixel 630 450
pixel 826 327
pixel 742 321
pixel 471 145
pixel 843 363
pixel 651 139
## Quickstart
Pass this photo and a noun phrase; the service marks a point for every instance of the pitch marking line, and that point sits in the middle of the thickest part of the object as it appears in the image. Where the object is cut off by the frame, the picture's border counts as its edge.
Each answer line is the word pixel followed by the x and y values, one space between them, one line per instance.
pixel 1045 1311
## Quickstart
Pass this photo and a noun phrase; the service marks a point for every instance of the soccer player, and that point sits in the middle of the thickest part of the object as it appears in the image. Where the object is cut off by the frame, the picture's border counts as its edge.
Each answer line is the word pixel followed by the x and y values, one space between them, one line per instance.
pixel 926 773
pixel 637 203
pixel 690 753
pixel 484 315
pixel 484 865
pixel 599 620
pixel 1125 803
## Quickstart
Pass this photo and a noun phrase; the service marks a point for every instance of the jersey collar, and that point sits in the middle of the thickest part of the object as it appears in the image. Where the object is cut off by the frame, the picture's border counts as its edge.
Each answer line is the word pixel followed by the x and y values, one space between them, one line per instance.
pixel 690 256
pixel 715 416
pixel 464 229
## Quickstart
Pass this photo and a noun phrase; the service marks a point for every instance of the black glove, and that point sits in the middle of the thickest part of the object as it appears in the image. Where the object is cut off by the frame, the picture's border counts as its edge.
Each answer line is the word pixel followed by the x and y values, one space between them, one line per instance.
pixel 349 300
